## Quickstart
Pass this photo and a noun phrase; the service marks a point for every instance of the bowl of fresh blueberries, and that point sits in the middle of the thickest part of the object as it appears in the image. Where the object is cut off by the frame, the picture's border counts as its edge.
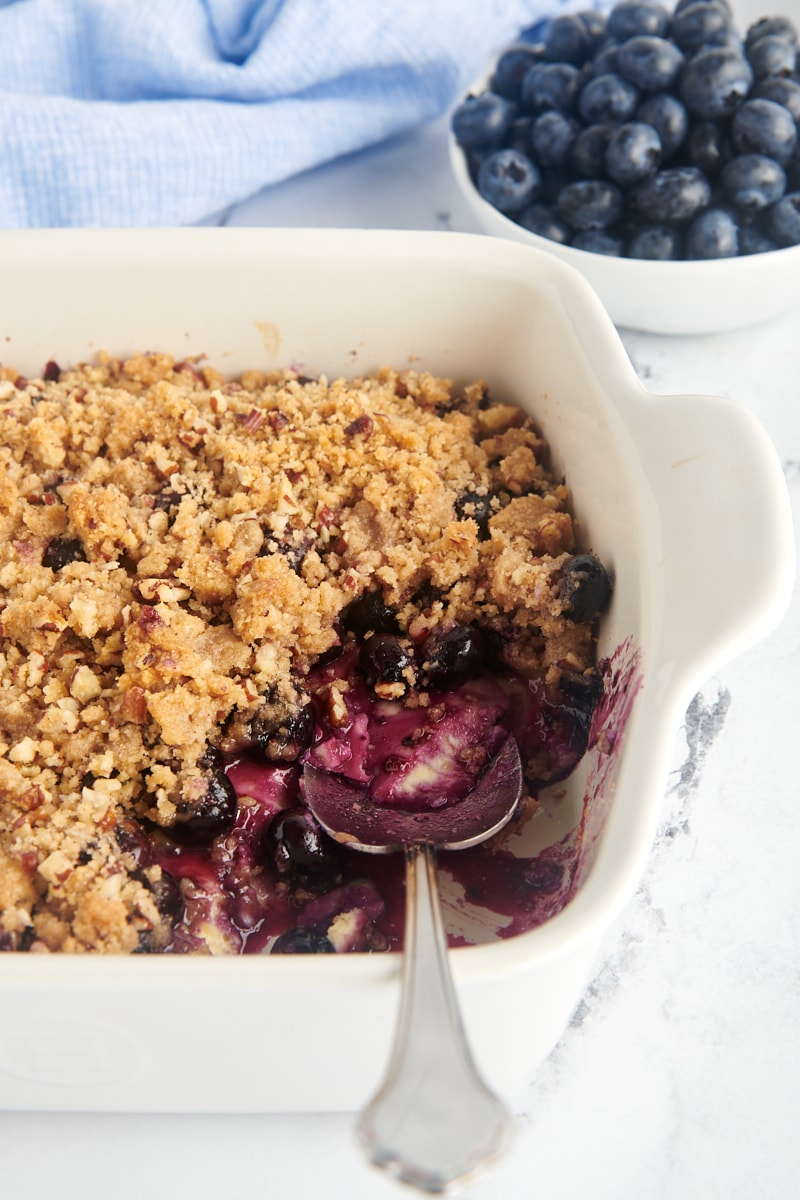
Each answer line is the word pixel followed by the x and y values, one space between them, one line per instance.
pixel 656 150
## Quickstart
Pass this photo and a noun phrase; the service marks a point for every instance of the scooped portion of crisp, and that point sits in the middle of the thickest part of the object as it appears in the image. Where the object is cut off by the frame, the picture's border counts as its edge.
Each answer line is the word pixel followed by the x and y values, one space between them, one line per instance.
pixel 203 583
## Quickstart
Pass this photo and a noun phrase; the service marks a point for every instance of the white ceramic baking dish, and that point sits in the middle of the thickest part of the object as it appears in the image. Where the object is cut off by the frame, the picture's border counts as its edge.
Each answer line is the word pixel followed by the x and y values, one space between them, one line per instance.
pixel 682 496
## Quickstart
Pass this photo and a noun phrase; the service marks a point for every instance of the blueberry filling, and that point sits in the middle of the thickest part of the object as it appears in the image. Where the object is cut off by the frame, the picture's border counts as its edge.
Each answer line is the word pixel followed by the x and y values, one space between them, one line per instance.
pixel 264 870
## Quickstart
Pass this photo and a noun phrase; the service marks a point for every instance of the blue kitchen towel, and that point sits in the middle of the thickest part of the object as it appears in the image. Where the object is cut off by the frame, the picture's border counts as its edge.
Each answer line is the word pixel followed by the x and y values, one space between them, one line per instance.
pixel 165 112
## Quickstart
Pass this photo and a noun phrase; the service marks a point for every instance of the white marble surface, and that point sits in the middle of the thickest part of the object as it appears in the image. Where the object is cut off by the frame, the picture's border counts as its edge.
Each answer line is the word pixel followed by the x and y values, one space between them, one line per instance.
pixel 678 1076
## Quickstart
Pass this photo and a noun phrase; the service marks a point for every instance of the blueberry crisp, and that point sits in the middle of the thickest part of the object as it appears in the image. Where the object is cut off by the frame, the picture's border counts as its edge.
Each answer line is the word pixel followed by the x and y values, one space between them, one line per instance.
pixel 206 584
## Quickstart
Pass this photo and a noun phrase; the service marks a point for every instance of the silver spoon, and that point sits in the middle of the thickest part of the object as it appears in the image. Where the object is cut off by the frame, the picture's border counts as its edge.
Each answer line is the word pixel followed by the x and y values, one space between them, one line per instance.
pixel 433 1123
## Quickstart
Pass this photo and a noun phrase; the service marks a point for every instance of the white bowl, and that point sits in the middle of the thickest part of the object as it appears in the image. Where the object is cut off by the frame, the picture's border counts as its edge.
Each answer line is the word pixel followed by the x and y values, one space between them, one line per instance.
pixel 666 297
pixel 659 483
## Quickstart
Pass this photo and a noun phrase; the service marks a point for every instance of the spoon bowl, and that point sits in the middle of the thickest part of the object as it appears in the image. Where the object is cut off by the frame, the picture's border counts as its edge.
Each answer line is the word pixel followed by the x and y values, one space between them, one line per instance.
pixel 433 1123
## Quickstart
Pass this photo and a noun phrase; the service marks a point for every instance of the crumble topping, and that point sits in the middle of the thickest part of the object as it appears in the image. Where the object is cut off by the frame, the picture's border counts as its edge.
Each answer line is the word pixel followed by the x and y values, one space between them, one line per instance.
pixel 176 555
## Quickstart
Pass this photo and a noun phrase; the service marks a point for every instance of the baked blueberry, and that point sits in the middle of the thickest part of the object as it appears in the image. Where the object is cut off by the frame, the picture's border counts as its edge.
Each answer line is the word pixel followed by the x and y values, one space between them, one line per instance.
pixel 60 551
pixel 199 820
pixel 584 588
pixel 452 656
pixel 383 658
pixel 368 614
pixel 303 940
pixel 300 850
pixel 475 507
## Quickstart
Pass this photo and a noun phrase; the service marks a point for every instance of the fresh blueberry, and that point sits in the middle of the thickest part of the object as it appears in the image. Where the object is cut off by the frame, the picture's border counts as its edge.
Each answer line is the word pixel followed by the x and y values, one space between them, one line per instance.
pixel 552 136
pixel 590 204
pixel 598 241
pixel 541 220
pixel 782 91
pixel 595 25
pixel 604 61
pixel 753 182
pixel 452 656
pixel 793 173
pixel 712 234
pixel 632 17
pixel 700 26
pixel 551 85
pixel 508 180
pixel 782 220
pixel 607 98
pixel 633 152
pixel 650 63
pixel 384 659
pixel 764 127
pixel 584 588
pixel 299 850
pixel 61 551
pixel 675 194
pixel 659 243
pixel 519 135
pixel 511 68
pixel 752 240
pixel 483 121
pixel 714 82
pixel 303 940
pixel 781 27
pixel 368 614
pixel 708 147
pixel 588 154
pixel 566 39
pixel 772 57
pixel 668 117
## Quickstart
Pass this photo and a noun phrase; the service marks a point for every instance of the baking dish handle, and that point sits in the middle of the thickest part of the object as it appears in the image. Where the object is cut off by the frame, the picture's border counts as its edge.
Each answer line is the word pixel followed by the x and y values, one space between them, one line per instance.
pixel 727 546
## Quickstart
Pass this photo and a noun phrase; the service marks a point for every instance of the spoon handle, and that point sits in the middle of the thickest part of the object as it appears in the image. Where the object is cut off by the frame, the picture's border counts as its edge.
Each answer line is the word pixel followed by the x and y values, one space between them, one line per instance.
pixel 433 1121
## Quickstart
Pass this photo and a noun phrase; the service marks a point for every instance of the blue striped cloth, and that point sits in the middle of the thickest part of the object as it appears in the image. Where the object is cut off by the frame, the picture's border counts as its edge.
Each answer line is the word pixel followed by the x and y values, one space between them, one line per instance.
pixel 165 112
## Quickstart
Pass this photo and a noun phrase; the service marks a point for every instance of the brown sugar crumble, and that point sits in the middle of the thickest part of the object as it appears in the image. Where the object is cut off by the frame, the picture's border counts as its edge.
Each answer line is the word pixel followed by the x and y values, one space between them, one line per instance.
pixel 177 552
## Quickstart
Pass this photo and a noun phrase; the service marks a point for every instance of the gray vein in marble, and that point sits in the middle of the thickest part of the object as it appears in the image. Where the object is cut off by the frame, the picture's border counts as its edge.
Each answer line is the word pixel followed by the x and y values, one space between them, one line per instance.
pixel 703 725
pixel 704 722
